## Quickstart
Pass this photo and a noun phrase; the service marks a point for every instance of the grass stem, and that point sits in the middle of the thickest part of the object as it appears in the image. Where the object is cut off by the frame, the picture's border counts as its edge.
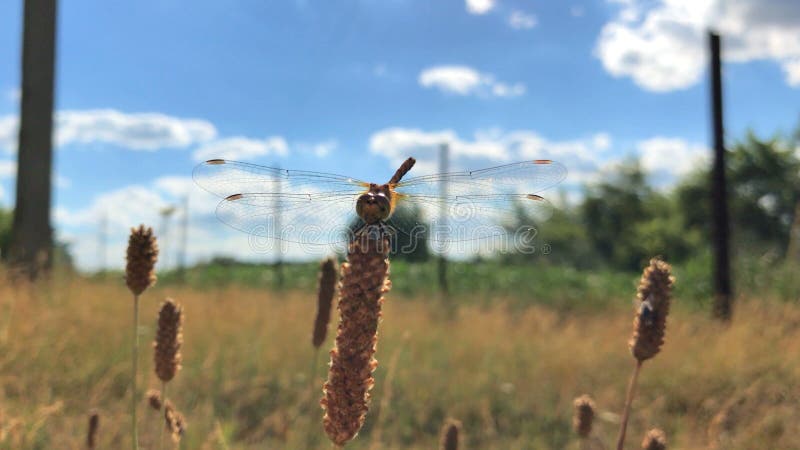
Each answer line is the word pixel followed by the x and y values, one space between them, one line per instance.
pixel 134 370
pixel 628 400
pixel 163 401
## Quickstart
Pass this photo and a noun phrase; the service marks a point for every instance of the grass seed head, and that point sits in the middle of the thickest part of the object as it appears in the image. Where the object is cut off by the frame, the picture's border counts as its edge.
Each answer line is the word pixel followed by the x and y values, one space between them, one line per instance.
pixel 141 260
pixel 364 281
pixel 450 435
pixel 94 425
pixel 169 339
pixel 174 421
pixel 328 277
pixel 583 416
pixel 649 323
pixel 655 439
pixel 154 399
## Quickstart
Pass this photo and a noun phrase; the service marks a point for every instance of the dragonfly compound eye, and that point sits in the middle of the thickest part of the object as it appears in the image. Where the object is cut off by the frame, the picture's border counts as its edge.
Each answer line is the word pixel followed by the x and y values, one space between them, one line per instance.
pixel 373 207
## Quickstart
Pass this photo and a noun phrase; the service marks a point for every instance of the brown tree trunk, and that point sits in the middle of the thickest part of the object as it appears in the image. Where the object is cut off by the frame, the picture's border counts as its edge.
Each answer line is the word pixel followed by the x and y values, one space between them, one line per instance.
pixel 31 245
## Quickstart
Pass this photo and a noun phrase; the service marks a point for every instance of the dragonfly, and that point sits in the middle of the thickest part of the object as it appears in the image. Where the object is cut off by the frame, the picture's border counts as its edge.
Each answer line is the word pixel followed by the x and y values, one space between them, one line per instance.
pixel 319 208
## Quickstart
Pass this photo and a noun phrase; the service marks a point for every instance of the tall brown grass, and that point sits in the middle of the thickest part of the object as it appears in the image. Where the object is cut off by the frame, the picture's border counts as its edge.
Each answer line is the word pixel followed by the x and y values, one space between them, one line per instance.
pixel 649 324
pixel 364 281
pixel 91 434
pixel 450 435
pixel 523 365
pixel 654 439
pixel 328 277
pixel 583 417
pixel 141 258
pixel 167 347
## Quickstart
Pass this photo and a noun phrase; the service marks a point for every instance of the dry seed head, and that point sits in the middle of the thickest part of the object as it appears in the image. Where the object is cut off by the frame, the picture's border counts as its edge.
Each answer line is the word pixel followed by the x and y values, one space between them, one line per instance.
pixel 655 439
pixel 649 323
pixel 154 399
pixel 450 435
pixel 174 421
pixel 141 256
pixel 328 277
pixel 169 338
pixel 91 435
pixel 364 281
pixel 583 416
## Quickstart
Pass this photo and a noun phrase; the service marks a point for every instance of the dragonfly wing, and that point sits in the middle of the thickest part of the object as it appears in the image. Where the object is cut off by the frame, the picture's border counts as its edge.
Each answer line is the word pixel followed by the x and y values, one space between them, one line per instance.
pixel 292 205
pixel 526 177
pixel 474 217
pixel 224 178
pixel 313 219
pixel 483 203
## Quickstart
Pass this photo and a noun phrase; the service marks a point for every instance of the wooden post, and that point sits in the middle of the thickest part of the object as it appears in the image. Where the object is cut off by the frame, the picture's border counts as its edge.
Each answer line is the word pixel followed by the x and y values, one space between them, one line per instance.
pixel 31 246
pixel 719 200
pixel 443 168
pixel 279 276
pixel 182 255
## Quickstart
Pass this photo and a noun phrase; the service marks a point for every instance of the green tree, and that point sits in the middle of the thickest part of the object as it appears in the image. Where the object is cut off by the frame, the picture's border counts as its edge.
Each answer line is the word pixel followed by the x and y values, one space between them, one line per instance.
pixel 764 188
pixel 611 211
pixel 6 219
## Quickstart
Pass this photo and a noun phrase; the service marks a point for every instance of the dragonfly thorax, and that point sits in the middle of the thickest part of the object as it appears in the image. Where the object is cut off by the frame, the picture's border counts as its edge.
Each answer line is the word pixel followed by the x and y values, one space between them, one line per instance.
pixel 375 205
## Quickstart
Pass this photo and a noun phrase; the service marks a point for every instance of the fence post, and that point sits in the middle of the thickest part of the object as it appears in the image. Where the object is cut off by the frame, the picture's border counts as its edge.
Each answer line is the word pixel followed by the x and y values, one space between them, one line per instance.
pixel 719 199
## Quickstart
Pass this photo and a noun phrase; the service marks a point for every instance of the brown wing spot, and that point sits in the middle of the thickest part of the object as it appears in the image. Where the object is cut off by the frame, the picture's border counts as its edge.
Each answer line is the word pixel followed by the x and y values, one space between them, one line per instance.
pixel 215 162
pixel 542 161
pixel 233 197
pixel 535 197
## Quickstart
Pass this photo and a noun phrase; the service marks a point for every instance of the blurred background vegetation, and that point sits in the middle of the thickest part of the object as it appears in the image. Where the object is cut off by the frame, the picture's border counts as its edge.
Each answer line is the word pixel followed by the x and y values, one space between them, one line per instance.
pixel 595 244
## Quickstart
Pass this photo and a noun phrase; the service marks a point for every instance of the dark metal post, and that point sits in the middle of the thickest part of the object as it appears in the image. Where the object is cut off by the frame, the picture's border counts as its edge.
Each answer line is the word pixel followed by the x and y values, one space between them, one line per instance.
pixel 443 168
pixel 184 240
pixel 719 199
pixel 278 242
pixel 31 246
pixel 102 243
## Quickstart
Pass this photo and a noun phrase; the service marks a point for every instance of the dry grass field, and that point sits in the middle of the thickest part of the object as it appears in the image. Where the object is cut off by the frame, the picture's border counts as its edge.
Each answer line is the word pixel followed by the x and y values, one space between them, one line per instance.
pixel 509 375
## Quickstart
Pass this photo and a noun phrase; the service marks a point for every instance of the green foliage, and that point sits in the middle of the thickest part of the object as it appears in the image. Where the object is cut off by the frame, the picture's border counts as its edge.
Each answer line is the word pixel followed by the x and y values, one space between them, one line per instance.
pixel 6 220
pixel 411 241
pixel 611 211
pixel 763 191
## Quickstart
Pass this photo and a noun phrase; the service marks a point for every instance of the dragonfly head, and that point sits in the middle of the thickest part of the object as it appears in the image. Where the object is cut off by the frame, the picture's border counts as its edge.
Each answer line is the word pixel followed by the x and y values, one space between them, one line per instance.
pixel 375 205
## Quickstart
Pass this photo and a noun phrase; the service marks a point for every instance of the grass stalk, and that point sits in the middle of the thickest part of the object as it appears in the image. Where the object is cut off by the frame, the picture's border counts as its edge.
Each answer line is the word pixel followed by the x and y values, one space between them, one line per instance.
pixel 628 401
pixel 163 399
pixel 134 370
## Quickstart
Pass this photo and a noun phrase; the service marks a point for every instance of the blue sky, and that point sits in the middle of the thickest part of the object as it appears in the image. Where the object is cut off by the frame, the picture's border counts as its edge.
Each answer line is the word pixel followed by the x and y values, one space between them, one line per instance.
pixel 146 89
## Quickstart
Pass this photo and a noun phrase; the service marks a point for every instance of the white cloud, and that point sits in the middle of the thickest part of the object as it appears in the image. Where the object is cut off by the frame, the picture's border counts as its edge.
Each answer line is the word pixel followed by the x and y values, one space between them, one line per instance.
pixel 8 169
pixel 323 149
pixel 464 80
pixel 581 156
pixel 480 6
pixel 792 70
pixel 242 148
pixel 662 44
pixel 135 131
pixel 666 159
pixel 8 133
pixel 134 204
pixel 519 20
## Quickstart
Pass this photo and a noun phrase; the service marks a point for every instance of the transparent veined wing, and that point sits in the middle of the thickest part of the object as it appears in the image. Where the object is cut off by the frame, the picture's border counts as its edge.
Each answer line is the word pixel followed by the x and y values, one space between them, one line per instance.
pixel 479 204
pixel 224 178
pixel 292 205
pixel 525 177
